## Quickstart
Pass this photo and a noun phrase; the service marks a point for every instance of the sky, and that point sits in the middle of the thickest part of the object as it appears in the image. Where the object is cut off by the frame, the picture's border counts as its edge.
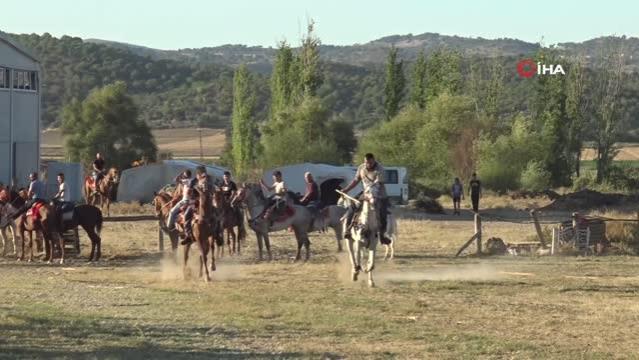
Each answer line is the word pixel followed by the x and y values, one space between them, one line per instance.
pixel 198 23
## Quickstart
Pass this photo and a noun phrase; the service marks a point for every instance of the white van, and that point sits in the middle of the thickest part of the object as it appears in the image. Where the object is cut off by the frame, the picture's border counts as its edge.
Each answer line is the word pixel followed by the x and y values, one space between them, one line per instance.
pixel 396 182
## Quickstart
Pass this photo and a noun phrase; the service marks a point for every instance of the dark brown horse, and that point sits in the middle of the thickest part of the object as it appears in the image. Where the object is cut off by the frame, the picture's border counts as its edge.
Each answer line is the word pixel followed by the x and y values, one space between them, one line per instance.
pixel 228 221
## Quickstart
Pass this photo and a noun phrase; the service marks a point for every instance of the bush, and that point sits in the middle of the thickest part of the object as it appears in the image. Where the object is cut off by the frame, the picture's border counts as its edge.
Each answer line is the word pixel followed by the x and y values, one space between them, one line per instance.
pixel 535 177
pixel 586 180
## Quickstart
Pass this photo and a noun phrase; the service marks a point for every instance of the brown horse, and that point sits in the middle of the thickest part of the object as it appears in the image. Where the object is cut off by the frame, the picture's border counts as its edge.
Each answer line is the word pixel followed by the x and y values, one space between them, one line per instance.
pixel 102 192
pixel 41 218
pixel 203 230
pixel 228 220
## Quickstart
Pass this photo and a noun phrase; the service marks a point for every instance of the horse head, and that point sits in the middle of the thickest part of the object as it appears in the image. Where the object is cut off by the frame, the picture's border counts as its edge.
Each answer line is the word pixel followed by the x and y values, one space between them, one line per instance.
pixel 113 175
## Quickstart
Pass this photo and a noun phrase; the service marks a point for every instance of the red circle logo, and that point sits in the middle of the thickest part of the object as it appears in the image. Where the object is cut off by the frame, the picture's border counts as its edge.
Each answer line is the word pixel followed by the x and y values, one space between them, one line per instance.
pixel 527 68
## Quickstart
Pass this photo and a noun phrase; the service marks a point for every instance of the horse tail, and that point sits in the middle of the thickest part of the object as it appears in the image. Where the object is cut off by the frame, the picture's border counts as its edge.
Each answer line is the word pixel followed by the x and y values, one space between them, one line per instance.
pixel 99 222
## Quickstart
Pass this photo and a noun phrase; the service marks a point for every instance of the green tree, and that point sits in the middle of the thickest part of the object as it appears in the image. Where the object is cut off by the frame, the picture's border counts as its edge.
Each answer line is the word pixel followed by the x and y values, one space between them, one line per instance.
pixel 107 122
pixel 311 77
pixel 283 79
pixel 576 104
pixel 243 125
pixel 418 87
pixel 605 87
pixel 443 71
pixel 394 86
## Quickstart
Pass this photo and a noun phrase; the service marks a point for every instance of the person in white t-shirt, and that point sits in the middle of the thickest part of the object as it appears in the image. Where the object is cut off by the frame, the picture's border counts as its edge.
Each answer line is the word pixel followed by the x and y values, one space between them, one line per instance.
pixel 62 199
pixel 279 194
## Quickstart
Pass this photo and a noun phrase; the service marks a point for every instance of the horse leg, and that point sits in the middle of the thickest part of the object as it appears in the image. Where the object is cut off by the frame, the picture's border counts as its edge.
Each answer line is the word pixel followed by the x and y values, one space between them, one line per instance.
pixel 357 259
pixel 371 265
pixel 30 246
pixel 204 253
pixel 61 243
pixel 300 243
pixel 259 246
pixel 3 235
pixel 212 247
pixel 22 242
pixel 386 250
pixel 95 242
pixel 338 237
pixel 186 259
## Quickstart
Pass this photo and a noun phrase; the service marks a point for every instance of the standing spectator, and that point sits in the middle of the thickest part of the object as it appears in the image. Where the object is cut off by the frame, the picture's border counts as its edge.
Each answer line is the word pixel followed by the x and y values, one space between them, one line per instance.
pixel 457 192
pixel 475 192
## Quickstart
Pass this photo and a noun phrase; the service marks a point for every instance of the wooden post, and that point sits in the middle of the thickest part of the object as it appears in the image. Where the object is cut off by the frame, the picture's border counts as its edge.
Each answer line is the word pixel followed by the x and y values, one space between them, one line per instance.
pixel 478 232
pixel 476 237
pixel 540 235
pixel 160 237
pixel 555 240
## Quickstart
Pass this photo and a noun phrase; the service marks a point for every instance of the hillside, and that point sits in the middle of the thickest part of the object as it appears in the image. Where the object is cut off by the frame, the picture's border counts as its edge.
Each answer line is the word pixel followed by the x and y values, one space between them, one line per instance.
pixel 193 87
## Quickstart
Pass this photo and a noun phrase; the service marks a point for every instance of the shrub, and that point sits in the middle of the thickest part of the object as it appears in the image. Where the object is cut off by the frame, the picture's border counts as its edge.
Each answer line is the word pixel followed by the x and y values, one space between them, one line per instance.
pixel 535 177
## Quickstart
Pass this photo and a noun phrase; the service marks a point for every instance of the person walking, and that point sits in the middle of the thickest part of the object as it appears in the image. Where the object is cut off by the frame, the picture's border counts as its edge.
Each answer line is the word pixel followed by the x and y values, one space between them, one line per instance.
pixel 457 193
pixel 475 192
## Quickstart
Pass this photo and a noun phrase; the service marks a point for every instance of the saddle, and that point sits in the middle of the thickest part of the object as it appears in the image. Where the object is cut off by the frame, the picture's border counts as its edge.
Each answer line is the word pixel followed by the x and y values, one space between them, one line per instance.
pixel 34 211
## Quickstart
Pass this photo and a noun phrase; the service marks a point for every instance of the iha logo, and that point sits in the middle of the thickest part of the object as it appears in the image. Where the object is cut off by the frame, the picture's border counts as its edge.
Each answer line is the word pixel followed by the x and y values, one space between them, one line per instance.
pixel 528 68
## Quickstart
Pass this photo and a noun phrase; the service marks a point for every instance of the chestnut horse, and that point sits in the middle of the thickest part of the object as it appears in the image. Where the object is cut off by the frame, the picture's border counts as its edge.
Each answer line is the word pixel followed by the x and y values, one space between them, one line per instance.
pixel 45 223
pixel 203 231
pixel 102 192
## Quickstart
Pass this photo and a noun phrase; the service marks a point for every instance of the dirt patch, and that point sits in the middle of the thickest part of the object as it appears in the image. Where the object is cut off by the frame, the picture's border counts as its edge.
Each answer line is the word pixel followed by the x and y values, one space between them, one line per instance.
pixel 587 200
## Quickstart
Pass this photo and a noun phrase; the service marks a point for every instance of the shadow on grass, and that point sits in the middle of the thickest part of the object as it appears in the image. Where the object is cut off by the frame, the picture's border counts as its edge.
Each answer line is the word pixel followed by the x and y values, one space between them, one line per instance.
pixel 58 336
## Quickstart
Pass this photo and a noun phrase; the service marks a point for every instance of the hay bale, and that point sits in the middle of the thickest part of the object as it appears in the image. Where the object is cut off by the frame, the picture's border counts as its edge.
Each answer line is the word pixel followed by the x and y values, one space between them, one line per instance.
pixel 496 246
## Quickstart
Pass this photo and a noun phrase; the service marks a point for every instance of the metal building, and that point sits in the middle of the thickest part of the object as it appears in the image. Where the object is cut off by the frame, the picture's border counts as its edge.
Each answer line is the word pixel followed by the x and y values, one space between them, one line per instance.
pixel 20 74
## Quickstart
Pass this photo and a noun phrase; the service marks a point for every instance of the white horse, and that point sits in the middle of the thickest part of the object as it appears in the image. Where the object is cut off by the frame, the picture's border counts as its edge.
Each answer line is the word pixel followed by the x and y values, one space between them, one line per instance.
pixel 392 232
pixel 300 221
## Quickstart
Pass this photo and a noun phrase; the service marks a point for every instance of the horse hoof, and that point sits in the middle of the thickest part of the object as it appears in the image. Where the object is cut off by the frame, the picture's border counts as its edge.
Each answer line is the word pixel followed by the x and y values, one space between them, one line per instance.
pixel 355 275
pixel 61 261
pixel 371 283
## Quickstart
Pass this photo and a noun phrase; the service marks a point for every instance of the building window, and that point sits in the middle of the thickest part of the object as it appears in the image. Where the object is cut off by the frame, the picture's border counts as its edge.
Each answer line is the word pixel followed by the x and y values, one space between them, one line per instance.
pixel 4 78
pixel 25 80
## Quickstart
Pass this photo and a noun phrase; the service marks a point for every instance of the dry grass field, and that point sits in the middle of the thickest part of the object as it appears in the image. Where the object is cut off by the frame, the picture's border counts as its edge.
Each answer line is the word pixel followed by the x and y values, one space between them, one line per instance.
pixel 135 304
pixel 182 143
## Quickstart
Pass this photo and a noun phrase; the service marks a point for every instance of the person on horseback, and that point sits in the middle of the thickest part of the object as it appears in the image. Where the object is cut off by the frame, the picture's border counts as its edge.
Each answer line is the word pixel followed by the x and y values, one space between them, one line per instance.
pixel 371 173
pixel 187 189
pixel 278 199
pixel 98 170
pixel 229 189
pixel 35 193
pixel 311 197
pixel 201 182
pixel 62 200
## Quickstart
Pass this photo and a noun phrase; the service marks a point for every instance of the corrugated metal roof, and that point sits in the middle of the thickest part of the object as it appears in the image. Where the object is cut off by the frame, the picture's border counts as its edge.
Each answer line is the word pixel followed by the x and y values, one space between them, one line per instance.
pixel 19 48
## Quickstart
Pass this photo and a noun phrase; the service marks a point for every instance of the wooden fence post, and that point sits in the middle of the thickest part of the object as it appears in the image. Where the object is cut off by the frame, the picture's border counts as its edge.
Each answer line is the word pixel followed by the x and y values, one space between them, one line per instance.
pixel 540 234
pixel 476 237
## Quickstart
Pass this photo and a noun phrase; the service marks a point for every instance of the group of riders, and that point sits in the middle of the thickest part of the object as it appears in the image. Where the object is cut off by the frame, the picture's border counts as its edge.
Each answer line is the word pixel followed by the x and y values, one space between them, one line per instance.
pixel 370 174
pixel 61 201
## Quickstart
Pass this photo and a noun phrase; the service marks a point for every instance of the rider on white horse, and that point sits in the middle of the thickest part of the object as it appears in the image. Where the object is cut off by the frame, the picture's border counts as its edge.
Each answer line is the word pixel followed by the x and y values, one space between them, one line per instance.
pixel 371 174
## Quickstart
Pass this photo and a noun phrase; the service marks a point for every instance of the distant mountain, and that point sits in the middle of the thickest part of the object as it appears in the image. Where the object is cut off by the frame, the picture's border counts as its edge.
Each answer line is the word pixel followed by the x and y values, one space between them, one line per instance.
pixel 193 87
pixel 260 58
pixel 372 53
